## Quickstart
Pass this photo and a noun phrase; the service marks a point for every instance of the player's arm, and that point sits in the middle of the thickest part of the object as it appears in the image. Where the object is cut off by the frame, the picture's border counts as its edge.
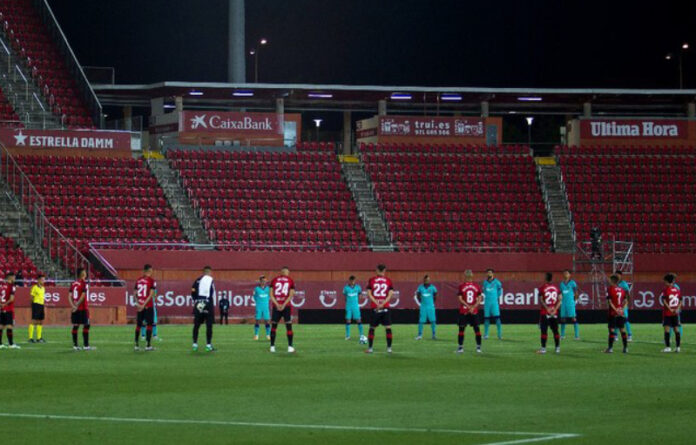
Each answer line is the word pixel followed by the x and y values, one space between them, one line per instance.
pixel 576 294
pixel 478 302
pixel 390 294
pixel 611 305
pixel 460 297
pixel 288 300
pixel 273 299
pixel 149 297
pixel 79 301
pixel 372 298
pixel 417 297
pixel 11 299
pixel 434 296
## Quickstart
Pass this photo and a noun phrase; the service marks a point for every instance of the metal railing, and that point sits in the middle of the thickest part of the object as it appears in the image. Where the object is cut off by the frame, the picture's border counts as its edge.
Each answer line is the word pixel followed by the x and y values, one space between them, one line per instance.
pixel 45 235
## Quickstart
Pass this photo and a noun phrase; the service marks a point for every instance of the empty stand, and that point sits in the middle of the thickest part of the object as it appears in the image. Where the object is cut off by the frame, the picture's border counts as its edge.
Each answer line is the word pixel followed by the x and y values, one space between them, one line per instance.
pixel 12 259
pixel 8 117
pixel 264 200
pixel 640 194
pixel 459 198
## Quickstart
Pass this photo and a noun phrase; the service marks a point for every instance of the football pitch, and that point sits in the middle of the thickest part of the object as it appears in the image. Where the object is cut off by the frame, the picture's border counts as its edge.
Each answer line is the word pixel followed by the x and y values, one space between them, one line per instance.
pixel 330 392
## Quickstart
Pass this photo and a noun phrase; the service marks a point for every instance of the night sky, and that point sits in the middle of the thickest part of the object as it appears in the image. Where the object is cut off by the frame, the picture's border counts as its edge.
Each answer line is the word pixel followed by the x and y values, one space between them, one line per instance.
pixel 506 43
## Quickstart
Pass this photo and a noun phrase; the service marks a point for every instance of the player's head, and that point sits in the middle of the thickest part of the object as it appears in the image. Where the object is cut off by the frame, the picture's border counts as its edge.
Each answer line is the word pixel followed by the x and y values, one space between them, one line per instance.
pixel 41 279
pixel 618 273
pixel 81 273
pixel 490 273
pixel 381 269
pixel 669 279
pixel 147 270
pixel 468 274
pixel 566 274
pixel 262 281
pixel 614 279
pixel 351 280
pixel 548 277
pixel 285 271
pixel 207 270
pixel 10 277
pixel 426 279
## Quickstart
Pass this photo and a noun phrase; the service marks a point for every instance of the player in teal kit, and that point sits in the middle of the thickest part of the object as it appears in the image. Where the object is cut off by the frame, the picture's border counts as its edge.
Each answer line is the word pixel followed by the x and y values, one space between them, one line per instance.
pixel 425 296
pixel 492 291
pixel 623 284
pixel 569 298
pixel 261 298
pixel 154 324
pixel 352 292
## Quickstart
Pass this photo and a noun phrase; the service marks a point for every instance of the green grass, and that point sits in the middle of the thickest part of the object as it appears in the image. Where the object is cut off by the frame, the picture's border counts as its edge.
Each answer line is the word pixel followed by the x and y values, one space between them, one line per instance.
pixel 643 397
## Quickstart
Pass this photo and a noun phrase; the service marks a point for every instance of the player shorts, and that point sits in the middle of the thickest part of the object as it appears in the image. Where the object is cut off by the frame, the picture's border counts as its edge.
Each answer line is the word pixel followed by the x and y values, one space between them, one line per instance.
pixel 37 311
pixel 548 322
pixel 80 317
pixel 427 314
pixel 6 318
pixel 263 312
pixel 468 319
pixel 353 312
pixel 146 316
pixel 616 322
pixel 381 316
pixel 671 321
pixel 285 314
pixel 207 315
pixel 491 310
pixel 568 311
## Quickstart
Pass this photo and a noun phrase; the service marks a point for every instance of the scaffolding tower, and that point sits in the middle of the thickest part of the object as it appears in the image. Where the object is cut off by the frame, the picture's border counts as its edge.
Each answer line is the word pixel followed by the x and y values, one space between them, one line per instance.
pixel 597 261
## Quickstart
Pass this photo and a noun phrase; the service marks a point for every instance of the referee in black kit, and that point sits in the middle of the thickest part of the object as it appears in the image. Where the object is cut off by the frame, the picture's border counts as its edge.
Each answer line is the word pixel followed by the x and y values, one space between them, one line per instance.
pixel 224 304
pixel 203 295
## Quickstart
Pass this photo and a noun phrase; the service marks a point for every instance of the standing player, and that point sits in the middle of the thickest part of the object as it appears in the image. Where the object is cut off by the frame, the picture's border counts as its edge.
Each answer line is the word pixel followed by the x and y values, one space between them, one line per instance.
pixel 681 326
pixel 203 295
pixel 492 291
pixel 617 300
pixel 569 298
pixel 470 297
pixel 351 293
pixel 80 309
pixel 224 306
pixel 145 294
pixel 38 292
pixel 262 296
pixel 282 293
pixel 550 303
pixel 380 291
pixel 426 294
pixel 625 286
pixel 143 330
pixel 671 300
pixel 8 291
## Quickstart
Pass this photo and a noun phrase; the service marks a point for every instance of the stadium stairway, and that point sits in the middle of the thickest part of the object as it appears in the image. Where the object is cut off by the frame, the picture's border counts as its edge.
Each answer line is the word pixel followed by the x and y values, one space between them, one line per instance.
pixel 168 179
pixel 361 188
pixel 24 95
pixel 556 202
pixel 15 224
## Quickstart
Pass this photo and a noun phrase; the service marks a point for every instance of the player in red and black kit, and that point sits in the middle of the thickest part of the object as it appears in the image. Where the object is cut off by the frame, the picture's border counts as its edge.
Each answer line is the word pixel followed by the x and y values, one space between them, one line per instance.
pixel 8 290
pixel 380 291
pixel 470 297
pixel 282 293
pixel 550 303
pixel 671 300
pixel 145 289
pixel 80 309
pixel 617 301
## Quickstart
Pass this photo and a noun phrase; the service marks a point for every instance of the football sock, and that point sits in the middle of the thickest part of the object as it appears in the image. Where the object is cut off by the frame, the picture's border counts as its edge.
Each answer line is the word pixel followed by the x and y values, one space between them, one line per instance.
pixel 347 329
pixel 288 329
pixel 31 331
pixel 420 329
pixel 677 338
pixel 0 336
pixel 137 336
pixel 39 331
pixel 74 335
pixel 433 327
pixel 360 329
pixel 209 333
pixel 371 337
pixel 389 337
pixel 268 329
pixel 486 326
pixel 274 327
pixel 196 327
pixel 543 340
pixel 576 329
pixel 499 327
pixel 256 328
pixel 477 331
pixel 154 329
pixel 85 335
pixel 142 331
pixel 611 339
pixel 10 336
pixel 624 339
pixel 556 339
pixel 628 328
pixel 681 329
pixel 460 337
pixel 148 333
pixel 667 339
pixel 563 329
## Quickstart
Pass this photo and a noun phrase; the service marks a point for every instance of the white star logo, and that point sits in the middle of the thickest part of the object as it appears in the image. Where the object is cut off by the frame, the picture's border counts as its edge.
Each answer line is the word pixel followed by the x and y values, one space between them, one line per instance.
pixel 198 121
pixel 21 139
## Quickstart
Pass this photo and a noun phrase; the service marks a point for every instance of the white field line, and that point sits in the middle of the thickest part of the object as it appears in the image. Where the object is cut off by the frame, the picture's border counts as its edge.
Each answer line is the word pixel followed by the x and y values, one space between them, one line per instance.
pixel 538 437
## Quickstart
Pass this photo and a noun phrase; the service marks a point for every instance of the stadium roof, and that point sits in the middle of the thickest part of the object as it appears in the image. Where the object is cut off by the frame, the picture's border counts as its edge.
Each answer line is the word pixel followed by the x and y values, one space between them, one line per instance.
pixel 402 99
